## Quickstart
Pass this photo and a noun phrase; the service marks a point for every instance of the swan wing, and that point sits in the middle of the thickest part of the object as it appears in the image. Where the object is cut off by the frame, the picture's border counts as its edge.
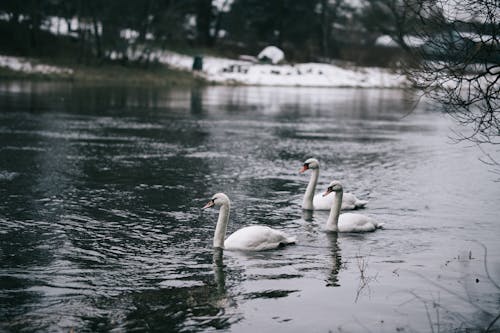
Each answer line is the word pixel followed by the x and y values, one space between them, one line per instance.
pixel 350 222
pixel 257 238
pixel 323 203
pixel 350 201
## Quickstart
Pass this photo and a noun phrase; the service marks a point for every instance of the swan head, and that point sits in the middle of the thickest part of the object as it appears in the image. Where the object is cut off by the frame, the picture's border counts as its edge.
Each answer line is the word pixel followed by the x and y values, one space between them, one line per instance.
pixel 334 186
pixel 217 199
pixel 310 163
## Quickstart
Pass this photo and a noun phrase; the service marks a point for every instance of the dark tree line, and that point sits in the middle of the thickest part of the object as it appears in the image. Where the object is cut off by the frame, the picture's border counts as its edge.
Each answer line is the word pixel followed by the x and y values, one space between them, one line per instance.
pixel 304 28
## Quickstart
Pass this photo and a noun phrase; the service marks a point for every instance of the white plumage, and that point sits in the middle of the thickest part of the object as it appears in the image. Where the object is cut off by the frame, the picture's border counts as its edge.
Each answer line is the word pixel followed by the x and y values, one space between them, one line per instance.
pixel 346 222
pixel 257 238
pixel 351 222
pixel 318 201
pixel 251 238
pixel 349 202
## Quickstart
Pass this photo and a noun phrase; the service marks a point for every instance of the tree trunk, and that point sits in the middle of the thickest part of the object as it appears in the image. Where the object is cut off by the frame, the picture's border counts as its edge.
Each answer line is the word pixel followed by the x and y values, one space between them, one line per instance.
pixel 203 20
pixel 97 35
pixel 35 23
pixel 325 28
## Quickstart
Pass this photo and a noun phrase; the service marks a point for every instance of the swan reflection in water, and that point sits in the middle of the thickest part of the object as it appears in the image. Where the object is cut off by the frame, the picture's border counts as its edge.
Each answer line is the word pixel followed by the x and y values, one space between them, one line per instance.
pixel 218 266
pixel 336 258
pixel 332 242
pixel 203 306
pixel 307 215
pixel 223 300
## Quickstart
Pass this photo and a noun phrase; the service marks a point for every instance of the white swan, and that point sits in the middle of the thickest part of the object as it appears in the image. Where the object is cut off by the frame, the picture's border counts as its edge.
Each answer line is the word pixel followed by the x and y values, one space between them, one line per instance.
pixel 318 202
pixel 252 238
pixel 346 222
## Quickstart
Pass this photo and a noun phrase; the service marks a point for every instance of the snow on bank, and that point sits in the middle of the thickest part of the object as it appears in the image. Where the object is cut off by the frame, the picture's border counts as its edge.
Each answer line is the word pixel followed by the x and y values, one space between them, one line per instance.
pixel 310 74
pixel 28 66
pixel 223 70
pixel 228 71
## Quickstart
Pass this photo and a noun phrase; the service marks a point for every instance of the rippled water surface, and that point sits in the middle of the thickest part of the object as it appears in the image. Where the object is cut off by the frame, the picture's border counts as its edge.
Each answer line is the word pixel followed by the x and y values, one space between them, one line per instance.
pixel 101 227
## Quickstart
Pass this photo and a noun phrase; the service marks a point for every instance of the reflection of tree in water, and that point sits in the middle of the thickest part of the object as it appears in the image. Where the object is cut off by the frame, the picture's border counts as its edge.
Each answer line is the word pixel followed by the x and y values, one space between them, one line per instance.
pixel 364 278
pixel 484 314
pixel 333 277
pixel 192 308
pixel 337 265
pixel 196 101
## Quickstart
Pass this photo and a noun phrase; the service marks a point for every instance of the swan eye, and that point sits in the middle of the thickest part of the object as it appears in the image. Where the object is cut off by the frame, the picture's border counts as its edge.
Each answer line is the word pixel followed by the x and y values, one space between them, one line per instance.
pixel 333 188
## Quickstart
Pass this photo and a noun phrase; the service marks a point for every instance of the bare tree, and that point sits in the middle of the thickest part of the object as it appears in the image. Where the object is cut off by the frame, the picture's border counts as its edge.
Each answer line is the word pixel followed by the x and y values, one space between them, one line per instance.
pixel 395 18
pixel 459 63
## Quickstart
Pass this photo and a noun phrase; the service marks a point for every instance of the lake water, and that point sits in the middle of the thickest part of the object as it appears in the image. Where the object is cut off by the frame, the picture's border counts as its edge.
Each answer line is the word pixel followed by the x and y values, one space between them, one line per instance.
pixel 101 227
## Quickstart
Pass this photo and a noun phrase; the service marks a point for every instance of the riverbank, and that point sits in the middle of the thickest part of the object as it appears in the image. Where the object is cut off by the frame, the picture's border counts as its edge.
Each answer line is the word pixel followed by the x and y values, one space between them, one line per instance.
pixel 46 70
pixel 330 75
pixel 174 69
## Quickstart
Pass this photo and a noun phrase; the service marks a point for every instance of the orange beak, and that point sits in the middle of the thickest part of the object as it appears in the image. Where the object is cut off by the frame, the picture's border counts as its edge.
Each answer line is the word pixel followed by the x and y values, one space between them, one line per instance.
pixel 209 204
pixel 304 168
pixel 328 191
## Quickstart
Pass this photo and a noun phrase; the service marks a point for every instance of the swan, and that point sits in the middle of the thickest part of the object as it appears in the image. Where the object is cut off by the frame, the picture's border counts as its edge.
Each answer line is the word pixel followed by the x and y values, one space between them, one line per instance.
pixel 318 202
pixel 346 222
pixel 251 238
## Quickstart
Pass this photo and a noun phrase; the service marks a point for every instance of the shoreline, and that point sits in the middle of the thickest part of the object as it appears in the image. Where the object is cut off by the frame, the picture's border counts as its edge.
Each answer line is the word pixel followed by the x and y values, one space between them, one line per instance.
pixel 174 70
pixel 32 69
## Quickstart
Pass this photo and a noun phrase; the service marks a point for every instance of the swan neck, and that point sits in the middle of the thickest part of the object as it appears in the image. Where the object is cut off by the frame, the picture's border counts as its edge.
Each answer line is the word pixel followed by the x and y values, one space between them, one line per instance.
pixel 333 219
pixel 311 188
pixel 221 227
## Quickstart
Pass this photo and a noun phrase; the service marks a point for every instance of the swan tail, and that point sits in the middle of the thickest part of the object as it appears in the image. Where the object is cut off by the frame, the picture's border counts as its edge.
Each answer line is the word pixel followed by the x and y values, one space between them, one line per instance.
pixel 360 203
pixel 379 225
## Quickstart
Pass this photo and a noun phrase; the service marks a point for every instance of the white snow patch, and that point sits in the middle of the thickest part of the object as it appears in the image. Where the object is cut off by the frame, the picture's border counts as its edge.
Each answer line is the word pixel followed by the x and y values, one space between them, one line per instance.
pixel 28 66
pixel 4 17
pixel 478 38
pixel 6 175
pixel 228 71
pixel 61 27
pixel 274 54
pixel 129 34
pixel 411 41
pixel 222 70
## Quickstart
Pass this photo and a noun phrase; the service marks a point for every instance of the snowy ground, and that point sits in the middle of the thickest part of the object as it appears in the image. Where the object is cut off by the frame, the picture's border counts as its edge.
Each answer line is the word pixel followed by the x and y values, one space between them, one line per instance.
pixel 228 71
pixel 223 70
pixel 26 65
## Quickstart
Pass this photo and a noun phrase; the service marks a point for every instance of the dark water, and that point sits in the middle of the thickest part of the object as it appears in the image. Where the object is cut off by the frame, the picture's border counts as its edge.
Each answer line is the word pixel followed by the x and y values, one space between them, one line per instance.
pixel 101 227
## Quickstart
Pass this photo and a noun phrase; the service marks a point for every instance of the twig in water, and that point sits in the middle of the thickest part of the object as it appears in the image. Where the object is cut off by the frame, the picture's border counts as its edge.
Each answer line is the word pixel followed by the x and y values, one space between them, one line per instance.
pixel 492 323
pixel 429 319
pixel 486 263
pixel 364 279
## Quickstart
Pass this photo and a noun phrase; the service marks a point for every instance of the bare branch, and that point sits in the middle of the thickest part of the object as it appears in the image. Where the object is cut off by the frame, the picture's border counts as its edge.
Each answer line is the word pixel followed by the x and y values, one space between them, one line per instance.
pixel 459 63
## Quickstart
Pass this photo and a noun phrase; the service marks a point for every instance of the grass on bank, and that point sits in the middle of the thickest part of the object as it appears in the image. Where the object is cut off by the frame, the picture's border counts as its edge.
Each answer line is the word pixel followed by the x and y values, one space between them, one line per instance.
pixel 154 74
pixel 68 52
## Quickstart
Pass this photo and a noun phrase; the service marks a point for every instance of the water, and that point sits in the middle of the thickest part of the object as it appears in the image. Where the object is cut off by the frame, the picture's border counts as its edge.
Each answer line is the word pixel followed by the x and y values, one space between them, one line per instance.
pixel 101 227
